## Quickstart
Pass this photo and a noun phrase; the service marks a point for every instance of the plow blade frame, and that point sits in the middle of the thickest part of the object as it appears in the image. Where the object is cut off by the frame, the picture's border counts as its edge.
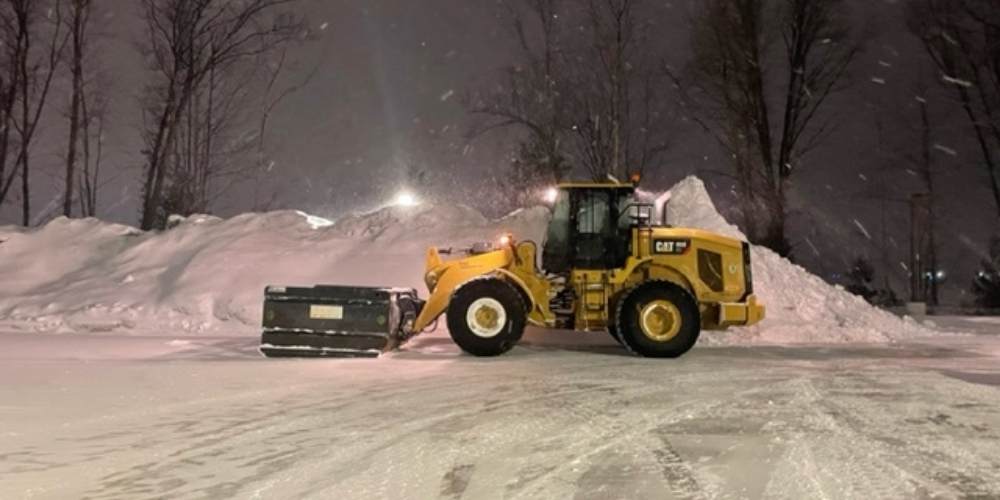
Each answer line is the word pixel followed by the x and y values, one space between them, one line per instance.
pixel 336 321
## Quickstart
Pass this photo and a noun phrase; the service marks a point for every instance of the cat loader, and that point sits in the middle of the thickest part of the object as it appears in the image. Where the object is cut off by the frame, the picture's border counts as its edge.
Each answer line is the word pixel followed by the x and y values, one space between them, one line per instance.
pixel 605 265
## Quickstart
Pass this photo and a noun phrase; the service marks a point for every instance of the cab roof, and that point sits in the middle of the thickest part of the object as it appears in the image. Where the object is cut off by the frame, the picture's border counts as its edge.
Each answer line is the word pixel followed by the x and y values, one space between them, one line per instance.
pixel 595 185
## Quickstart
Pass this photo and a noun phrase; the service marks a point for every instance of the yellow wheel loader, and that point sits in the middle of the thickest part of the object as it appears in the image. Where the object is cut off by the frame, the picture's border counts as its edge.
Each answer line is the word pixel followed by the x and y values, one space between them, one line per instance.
pixel 605 265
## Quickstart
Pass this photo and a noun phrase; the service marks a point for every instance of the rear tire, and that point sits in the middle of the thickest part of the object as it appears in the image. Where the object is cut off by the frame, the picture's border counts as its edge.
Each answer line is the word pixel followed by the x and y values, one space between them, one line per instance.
pixel 486 317
pixel 658 320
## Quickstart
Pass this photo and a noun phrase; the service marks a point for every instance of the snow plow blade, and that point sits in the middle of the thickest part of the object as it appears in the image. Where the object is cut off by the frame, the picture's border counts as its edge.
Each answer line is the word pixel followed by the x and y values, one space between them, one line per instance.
pixel 337 321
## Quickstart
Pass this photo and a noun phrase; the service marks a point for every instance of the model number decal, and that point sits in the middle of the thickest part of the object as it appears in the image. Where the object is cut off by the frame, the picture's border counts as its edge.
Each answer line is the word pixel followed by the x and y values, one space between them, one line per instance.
pixel 672 247
pixel 325 312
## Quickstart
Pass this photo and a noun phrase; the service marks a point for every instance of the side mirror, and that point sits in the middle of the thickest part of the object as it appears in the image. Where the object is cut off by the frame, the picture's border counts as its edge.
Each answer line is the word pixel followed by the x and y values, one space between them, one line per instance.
pixel 640 213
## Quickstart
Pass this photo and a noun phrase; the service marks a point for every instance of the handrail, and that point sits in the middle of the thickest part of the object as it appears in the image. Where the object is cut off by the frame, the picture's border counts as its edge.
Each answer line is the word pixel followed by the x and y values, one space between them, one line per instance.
pixel 639 206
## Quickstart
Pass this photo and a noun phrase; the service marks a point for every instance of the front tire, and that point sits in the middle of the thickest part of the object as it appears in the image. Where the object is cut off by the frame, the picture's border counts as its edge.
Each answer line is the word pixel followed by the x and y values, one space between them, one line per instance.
pixel 486 317
pixel 658 320
pixel 613 331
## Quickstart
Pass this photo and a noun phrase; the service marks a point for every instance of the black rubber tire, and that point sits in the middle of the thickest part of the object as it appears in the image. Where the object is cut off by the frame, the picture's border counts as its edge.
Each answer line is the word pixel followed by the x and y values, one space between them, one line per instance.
pixel 612 327
pixel 613 331
pixel 510 333
pixel 630 332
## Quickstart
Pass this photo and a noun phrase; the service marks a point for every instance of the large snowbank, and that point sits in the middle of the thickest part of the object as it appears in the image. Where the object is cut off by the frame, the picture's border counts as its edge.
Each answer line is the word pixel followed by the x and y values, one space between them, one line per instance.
pixel 801 307
pixel 206 275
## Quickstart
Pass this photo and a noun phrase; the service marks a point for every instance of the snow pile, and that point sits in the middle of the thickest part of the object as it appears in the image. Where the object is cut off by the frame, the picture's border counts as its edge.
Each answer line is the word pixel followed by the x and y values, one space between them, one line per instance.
pixel 206 275
pixel 801 307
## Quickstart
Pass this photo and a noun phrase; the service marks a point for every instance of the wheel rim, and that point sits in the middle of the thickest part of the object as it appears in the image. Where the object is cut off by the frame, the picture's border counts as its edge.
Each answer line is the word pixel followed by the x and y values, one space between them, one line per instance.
pixel 660 320
pixel 486 317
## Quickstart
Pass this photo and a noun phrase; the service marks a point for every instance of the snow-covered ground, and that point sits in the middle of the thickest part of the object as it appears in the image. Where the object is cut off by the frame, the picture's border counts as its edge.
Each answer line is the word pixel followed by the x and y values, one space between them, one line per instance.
pixel 155 387
pixel 563 415
pixel 206 276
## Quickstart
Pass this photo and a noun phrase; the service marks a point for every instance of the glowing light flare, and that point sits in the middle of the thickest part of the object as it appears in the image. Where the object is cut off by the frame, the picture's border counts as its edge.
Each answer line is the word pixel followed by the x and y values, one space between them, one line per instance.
pixel 506 240
pixel 405 199
pixel 551 194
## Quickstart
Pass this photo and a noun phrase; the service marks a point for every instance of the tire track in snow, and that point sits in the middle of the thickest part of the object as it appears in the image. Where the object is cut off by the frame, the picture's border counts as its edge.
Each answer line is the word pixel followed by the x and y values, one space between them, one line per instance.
pixel 681 477
pixel 929 457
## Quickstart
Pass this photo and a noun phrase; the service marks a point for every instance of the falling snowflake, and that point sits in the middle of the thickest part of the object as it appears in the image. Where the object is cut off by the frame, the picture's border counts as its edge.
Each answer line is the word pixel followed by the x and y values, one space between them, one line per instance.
pixel 956 81
pixel 862 228
pixel 946 150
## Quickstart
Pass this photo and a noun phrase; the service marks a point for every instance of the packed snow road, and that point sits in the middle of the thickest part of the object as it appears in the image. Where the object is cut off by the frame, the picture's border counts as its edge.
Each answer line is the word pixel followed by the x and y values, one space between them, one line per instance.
pixel 560 416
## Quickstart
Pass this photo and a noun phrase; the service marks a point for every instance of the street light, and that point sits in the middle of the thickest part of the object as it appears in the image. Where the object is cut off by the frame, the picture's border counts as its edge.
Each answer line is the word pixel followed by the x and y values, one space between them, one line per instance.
pixel 405 199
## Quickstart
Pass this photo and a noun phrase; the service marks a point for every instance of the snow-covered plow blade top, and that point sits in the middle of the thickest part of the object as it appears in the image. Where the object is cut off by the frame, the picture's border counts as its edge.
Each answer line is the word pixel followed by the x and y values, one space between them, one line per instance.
pixel 336 321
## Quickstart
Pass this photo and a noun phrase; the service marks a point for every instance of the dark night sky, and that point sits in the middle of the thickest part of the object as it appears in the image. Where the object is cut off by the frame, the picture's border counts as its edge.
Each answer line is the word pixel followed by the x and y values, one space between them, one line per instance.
pixel 390 74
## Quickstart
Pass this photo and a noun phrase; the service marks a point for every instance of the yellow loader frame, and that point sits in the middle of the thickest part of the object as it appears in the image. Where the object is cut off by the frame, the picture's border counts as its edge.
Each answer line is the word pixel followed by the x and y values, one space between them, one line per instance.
pixel 598 289
pixel 653 288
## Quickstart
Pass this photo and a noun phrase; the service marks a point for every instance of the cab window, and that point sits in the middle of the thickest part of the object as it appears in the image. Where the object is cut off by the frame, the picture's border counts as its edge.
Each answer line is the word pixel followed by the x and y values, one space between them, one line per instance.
pixel 593 213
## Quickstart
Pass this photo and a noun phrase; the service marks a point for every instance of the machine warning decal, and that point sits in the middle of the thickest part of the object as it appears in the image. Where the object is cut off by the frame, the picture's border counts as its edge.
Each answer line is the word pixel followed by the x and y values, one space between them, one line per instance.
pixel 672 247
pixel 325 312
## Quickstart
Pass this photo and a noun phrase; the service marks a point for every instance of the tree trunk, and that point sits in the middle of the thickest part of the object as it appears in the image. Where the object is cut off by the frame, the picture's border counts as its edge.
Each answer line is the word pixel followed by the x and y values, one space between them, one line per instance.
pixel 74 113
pixel 22 157
pixel 983 141
pixel 773 235
pixel 25 192
pixel 155 170
pixel 85 187
pixel 928 178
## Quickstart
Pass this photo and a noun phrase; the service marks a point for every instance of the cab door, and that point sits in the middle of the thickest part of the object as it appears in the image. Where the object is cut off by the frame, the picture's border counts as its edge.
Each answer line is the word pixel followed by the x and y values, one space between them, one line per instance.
pixel 594 230
pixel 584 232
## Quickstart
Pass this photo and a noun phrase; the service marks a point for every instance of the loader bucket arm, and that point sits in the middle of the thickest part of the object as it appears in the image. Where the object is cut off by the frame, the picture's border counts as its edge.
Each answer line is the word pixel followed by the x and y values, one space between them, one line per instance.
pixel 433 259
pixel 444 277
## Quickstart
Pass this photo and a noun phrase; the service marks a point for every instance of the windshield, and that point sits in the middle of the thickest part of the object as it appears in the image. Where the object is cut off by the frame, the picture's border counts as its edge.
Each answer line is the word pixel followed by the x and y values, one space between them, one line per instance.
pixel 593 212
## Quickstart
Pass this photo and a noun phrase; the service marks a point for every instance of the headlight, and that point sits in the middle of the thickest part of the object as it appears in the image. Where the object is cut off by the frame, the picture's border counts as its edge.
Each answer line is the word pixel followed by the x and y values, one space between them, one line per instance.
pixel 431 280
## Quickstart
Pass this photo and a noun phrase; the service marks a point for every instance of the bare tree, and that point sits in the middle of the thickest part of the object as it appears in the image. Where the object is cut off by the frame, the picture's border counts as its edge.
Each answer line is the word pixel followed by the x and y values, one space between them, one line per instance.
pixel 24 87
pixel 531 97
pixel 93 114
pixel 13 52
pixel 962 37
pixel 210 146
pixel 735 72
pixel 271 97
pixel 190 45
pixel 619 101
pixel 78 23
pixel 923 164
pixel 583 92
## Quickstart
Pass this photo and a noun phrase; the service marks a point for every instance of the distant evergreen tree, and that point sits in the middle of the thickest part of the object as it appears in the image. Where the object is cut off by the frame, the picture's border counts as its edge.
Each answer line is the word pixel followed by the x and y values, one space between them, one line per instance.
pixel 860 282
pixel 860 278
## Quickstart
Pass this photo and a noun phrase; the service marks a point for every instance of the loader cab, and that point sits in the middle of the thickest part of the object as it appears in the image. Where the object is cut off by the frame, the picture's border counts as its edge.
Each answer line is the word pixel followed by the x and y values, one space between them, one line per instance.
pixel 589 228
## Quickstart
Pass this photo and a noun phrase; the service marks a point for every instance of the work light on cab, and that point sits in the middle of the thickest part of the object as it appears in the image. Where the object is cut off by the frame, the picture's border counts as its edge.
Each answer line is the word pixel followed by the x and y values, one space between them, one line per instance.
pixel 551 194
